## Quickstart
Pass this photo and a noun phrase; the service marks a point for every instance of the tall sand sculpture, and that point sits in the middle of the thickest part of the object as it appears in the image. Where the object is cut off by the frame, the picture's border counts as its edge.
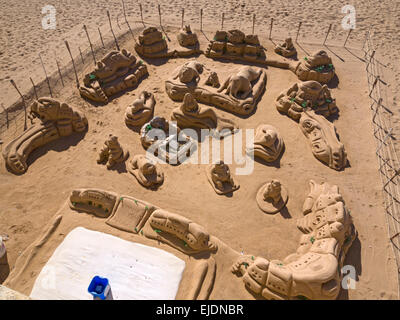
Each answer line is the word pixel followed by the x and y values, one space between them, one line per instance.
pixel 309 94
pixel 141 110
pixel 242 89
pixel 115 72
pixel 268 143
pixel 314 271
pixel 221 179
pixel 112 153
pixel 272 197
pixel 323 139
pixel 55 120
pixel 147 172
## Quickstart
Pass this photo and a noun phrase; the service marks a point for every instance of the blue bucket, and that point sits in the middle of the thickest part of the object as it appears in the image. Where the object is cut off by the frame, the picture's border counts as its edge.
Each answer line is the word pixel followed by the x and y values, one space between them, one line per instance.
pixel 99 287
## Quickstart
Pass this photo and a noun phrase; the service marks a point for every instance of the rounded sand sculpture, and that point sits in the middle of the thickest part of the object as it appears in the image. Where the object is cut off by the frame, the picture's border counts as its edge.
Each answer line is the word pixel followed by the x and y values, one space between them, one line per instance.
pixel 94 201
pixel 220 177
pixel 112 152
pixel 117 71
pixel 56 120
pixel 242 90
pixel 213 80
pixel 272 197
pixel 314 271
pixel 191 115
pixel 147 172
pixel 323 139
pixel 268 143
pixel 141 110
pixel 286 49
pixel 187 38
pixel 309 94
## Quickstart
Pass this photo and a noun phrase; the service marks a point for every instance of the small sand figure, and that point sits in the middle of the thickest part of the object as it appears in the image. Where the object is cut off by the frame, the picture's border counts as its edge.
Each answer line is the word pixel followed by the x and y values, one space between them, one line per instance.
pixel 112 152
pixel 272 197
pixel 286 49
pixel 213 80
pixel 146 171
pixel 219 176
pixel 141 110
pixel 186 37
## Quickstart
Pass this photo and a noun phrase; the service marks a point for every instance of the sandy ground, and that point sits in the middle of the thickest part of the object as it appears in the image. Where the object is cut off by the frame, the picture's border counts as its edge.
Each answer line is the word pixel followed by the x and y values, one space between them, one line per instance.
pixel 70 163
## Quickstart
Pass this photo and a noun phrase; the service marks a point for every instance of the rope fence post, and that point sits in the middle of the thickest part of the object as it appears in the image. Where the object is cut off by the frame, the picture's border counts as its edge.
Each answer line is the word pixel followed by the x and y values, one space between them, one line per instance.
pixel 298 31
pixel 34 88
pixel 90 43
pixel 183 16
pixel 126 21
pixel 348 35
pixel 73 63
pixel 270 30
pixel 23 101
pixel 141 14
pixel 329 30
pixel 101 37
pixel 222 21
pixel 112 31
pixel 254 21
pixel 159 13
pixel 201 19
pixel 45 73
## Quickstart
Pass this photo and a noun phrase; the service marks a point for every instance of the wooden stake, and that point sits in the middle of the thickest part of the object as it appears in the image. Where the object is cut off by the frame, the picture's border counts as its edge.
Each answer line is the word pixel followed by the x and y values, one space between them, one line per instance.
pixel 222 21
pixel 270 30
pixel 59 71
pixel 80 52
pixel 201 19
pixel 45 73
pixel 159 13
pixel 254 21
pixel 73 64
pixel 329 30
pixel 112 31
pixel 90 43
pixel 183 15
pixel 141 14
pixel 34 88
pixel 348 35
pixel 101 38
pixel 23 101
pixel 126 21
pixel 298 31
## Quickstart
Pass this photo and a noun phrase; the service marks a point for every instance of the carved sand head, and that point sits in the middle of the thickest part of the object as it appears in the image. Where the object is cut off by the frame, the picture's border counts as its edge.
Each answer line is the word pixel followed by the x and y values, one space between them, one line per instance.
pixel 45 109
pixel 266 137
pixel 273 190
pixel 189 103
pixel 288 43
pixel 149 168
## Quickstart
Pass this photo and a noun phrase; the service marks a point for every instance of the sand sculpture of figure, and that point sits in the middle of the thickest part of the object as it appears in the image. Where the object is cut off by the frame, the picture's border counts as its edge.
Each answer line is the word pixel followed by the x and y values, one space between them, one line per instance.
pixel 56 120
pixel 192 234
pixel 212 80
pixel 191 115
pixel 235 45
pixel 316 67
pixel 220 177
pixel 268 143
pixel 286 49
pixel 243 90
pixel 306 95
pixel 323 139
pixel 174 146
pixel 94 201
pixel 151 41
pixel 239 85
pixel 272 197
pixel 117 71
pixel 147 172
pixel 314 271
pixel 141 110
pixel 112 152
pixel 186 37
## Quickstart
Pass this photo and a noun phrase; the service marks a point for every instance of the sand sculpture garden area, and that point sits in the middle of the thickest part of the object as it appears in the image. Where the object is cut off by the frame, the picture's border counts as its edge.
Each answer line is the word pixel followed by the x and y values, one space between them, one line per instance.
pixel 311 205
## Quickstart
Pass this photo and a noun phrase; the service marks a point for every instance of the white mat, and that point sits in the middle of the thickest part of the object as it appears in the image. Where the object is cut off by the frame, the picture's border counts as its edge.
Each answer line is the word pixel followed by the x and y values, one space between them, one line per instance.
pixel 135 271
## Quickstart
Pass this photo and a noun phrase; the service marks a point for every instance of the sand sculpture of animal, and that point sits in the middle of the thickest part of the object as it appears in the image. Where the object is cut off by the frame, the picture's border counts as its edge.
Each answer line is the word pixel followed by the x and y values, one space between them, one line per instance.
pixel 112 152
pixel 188 72
pixel 212 80
pixel 272 197
pixel 117 71
pixel 220 177
pixel 56 119
pixel 141 110
pixel 239 85
pixel 306 95
pixel 147 172
pixel 323 139
pixel 268 143
pixel 186 37
pixel 286 49
pixel 314 271
pixel 194 235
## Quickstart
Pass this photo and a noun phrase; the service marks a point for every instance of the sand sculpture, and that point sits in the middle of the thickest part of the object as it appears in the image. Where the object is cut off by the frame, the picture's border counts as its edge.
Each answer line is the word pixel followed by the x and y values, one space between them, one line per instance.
pixel 187 38
pixel 242 89
pixel 141 110
pixel 117 71
pixel 56 120
pixel 323 139
pixel 152 44
pixel 147 172
pixel 272 197
pixel 220 177
pixel 93 201
pixel 112 152
pixel 309 94
pixel 316 67
pixel 191 115
pixel 235 45
pixel 286 49
pixel 268 143
pixel 166 141
pixel 314 271
pixel 212 80
pixel 193 237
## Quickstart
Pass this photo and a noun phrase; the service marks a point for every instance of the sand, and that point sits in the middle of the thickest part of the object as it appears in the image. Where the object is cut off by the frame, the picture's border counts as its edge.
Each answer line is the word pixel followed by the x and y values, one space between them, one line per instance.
pixel 29 201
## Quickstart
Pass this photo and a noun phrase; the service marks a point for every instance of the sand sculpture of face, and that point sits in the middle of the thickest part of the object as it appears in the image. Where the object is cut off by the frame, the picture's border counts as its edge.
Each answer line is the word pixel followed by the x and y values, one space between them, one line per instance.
pixel 324 142
pixel 45 109
pixel 189 103
pixel 268 144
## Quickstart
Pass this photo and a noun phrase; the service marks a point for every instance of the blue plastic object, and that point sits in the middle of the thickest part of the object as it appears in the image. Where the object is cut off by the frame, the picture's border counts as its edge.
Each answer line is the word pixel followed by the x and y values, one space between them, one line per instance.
pixel 99 287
